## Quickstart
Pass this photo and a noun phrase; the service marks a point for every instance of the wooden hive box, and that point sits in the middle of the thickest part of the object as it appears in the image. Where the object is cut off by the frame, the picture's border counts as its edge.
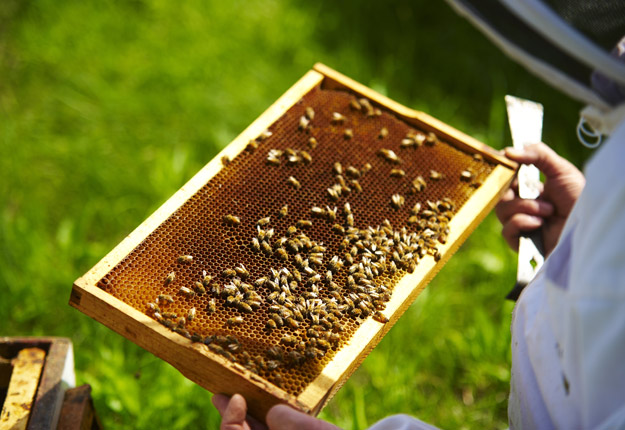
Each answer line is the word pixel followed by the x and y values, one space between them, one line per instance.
pixel 326 280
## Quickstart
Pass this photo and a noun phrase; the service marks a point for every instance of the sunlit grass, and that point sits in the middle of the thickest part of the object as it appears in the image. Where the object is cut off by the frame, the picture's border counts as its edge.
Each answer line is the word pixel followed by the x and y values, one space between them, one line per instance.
pixel 107 108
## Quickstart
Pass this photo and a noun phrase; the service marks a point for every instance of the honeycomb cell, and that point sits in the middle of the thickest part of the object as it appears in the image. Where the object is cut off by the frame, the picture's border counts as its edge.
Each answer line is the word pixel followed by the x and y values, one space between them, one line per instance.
pixel 369 244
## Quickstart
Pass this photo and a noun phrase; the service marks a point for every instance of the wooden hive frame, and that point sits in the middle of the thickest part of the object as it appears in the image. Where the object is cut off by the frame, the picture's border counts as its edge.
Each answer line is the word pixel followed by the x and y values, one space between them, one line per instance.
pixel 214 372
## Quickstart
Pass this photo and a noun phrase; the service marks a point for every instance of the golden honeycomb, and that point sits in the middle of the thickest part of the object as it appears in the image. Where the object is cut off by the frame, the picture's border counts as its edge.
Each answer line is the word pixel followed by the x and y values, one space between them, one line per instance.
pixel 215 232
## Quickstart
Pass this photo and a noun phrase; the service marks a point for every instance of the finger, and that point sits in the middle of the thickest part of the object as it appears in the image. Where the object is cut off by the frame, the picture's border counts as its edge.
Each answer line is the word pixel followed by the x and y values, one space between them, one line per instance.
pixel 508 195
pixel 233 416
pixel 220 401
pixel 517 224
pixel 283 417
pixel 543 157
pixel 507 208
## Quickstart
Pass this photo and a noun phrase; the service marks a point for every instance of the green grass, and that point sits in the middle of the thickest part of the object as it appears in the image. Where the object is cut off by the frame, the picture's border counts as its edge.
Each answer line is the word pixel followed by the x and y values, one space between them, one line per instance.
pixel 108 107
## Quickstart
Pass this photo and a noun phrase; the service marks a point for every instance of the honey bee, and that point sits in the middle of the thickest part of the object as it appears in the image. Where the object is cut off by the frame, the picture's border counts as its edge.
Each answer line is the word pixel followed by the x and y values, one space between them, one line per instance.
pixel 437 255
pixel 282 254
pixel 264 135
pixel 335 265
pixel 273 156
pixel 169 315
pixel 356 185
pixel 355 105
pixel 304 223
pixel 418 183
pixel 398 173
pixel 466 175
pixel 312 143
pixel 232 220
pixel 380 317
pixel 234 321
pixel 263 221
pixel 366 168
pixel 167 323
pixel 182 331
pixel 245 307
pixel 317 211
pixel 315 260
pixel 216 348
pixel 288 340
pixel 170 278
pixel 270 325
pixel 306 156
pixel 338 168
pixel 183 259
pixel 397 201
pixel 242 271
pixel 322 343
pixel 334 192
pixel 304 123
pixel 294 158
pixel 165 298
pixel 284 211
pixel 436 176
pixel 352 172
pixel 186 292
pixel 383 133
pixel 310 112
pixel 431 139
pixel 350 220
pixel 348 133
pixel 356 312
pixel 277 319
pixel 211 307
pixel 416 136
pixel 272 364
pixel 266 247
pixel 153 307
pixel 294 182
pixel 433 206
pixel 199 288
pixel 389 155
pixel 229 273
pixel 367 106
pixel 225 160
pixel 337 118
pixel 255 244
pixel 407 142
pixel 252 145
pixel 191 314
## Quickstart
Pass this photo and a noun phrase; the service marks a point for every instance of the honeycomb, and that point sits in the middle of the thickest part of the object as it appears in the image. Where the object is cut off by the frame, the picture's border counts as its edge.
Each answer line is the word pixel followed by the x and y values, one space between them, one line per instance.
pixel 245 264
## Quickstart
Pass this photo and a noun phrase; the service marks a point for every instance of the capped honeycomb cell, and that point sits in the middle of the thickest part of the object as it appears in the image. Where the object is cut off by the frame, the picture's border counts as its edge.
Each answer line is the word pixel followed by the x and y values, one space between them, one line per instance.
pixel 302 237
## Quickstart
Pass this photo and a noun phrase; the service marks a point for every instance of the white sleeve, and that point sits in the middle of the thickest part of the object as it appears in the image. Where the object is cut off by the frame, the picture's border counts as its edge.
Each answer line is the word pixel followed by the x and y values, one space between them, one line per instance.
pixel 402 422
pixel 592 328
pixel 568 331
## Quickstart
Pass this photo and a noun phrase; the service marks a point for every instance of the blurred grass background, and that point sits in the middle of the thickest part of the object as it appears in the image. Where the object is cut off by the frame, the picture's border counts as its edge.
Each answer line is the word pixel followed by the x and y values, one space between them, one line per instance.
pixel 108 107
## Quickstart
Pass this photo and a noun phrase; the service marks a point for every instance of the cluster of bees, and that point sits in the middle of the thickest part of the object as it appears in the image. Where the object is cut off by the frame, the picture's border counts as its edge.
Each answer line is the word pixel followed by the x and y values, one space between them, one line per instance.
pixel 310 296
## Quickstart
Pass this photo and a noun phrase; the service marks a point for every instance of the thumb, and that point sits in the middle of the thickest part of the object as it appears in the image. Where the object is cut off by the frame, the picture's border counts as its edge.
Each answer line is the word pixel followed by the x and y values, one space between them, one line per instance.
pixel 543 157
pixel 285 418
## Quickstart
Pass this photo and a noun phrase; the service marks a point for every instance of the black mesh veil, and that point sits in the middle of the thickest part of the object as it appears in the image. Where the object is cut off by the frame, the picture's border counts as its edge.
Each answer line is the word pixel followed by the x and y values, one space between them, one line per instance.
pixel 603 21
pixel 530 42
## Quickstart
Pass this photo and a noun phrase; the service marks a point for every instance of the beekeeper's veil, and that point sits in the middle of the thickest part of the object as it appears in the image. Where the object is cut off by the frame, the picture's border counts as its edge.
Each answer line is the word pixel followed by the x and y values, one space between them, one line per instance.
pixel 576 45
